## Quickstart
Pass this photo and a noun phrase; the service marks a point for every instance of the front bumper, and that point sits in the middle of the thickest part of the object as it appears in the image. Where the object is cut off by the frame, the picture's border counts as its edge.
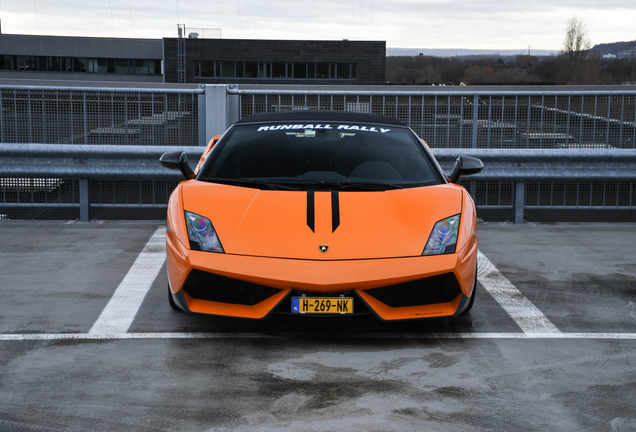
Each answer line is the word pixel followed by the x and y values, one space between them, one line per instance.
pixel 280 279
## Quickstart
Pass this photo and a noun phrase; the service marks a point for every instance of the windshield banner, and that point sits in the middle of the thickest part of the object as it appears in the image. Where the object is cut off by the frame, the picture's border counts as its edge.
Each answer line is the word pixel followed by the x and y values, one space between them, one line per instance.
pixel 319 126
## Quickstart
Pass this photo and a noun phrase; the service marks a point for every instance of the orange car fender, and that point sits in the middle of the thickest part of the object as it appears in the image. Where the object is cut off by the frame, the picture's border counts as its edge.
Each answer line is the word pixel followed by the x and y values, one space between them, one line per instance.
pixel 177 262
pixel 175 217
pixel 176 240
pixel 468 222
pixel 467 246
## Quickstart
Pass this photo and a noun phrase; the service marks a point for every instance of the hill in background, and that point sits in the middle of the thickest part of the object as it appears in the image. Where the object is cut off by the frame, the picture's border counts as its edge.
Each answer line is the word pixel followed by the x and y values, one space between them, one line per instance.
pixel 620 49
pixel 459 52
pixel 616 48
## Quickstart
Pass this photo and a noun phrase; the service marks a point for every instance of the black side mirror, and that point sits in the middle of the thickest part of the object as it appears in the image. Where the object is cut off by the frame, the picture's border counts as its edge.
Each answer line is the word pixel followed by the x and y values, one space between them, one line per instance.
pixel 465 165
pixel 177 160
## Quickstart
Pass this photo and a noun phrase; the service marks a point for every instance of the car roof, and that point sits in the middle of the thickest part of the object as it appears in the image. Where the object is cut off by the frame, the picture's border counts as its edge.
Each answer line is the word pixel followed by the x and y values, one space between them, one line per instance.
pixel 322 116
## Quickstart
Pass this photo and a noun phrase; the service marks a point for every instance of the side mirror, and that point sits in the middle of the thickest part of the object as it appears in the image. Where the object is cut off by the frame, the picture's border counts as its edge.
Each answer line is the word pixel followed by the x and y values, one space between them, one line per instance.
pixel 465 165
pixel 177 160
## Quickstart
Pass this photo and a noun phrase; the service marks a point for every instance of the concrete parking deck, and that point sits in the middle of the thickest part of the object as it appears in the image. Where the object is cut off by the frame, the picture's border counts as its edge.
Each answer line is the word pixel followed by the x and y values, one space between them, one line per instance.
pixel 88 342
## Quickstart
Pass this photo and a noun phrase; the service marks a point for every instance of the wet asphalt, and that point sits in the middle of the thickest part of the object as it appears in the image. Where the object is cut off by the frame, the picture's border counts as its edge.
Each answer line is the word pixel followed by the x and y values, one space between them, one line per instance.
pixel 318 375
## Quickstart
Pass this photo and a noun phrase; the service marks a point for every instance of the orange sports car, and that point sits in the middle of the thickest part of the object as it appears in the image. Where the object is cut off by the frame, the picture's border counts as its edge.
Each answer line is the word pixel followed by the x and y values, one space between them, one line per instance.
pixel 321 213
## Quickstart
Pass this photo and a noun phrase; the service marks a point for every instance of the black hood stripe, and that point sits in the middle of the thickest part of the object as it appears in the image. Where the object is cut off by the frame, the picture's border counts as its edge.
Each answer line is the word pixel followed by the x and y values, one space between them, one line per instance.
pixel 335 210
pixel 310 210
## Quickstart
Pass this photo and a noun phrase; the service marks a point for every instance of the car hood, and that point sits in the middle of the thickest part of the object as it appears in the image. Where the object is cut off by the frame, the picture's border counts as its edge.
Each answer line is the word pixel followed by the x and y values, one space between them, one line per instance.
pixel 345 225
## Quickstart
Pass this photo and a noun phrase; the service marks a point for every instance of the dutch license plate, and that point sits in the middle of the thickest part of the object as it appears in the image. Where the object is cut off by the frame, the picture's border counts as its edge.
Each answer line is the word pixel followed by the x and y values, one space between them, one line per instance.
pixel 319 305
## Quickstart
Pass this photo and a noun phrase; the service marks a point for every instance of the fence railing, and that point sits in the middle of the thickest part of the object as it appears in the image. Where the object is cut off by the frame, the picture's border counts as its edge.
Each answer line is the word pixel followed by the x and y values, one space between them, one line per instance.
pixel 87 178
pixel 103 116
pixel 469 118
pixel 84 181
pixel 465 120
pixel 519 181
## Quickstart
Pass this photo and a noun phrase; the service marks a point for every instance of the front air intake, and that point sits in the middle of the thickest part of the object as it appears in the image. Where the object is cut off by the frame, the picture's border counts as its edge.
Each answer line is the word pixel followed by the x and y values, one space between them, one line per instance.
pixel 202 285
pixel 427 291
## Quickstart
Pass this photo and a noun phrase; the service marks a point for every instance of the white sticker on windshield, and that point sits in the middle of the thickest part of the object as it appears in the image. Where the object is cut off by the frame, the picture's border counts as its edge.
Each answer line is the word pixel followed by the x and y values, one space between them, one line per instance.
pixel 320 126
pixel 363 128
pixel 293 127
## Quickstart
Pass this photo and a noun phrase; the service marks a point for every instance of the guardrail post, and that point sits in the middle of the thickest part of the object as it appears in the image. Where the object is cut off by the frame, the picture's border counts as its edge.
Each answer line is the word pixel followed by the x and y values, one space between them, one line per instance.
pixel 215 118
pixel 475 119
pixel 233 105
pixel 519 201
pixel 202 110
pixel 84 197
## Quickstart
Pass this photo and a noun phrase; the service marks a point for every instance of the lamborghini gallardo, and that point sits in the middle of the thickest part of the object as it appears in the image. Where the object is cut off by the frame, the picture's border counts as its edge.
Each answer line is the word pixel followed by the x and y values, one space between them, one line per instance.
pixel 323 214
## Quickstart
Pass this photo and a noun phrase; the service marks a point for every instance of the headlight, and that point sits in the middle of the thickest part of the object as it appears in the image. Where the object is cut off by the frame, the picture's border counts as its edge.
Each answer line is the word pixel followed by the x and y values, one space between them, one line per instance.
pixel 443 238
pixel 201 234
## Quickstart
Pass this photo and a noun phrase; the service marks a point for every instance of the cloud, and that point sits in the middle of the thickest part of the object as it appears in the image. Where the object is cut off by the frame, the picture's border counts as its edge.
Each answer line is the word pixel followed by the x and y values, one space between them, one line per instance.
pixel 401 23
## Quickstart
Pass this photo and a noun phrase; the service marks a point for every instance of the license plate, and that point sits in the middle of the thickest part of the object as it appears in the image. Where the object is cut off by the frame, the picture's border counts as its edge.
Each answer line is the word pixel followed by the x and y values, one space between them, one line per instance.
pixel 322 305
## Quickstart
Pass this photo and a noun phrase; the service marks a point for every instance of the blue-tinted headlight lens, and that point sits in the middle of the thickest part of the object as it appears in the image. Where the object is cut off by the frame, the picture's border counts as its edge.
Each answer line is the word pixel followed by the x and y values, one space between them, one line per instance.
pixel 201 234
pixel 443 238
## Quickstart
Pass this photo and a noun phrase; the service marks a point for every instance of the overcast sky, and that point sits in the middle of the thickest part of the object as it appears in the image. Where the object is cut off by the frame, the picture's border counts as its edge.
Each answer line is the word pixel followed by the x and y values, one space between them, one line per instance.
pixel 480 24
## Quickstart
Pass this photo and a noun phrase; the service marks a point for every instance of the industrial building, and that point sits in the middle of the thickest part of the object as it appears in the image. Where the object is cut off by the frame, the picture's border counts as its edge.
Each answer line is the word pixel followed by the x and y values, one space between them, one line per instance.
pixel 192 60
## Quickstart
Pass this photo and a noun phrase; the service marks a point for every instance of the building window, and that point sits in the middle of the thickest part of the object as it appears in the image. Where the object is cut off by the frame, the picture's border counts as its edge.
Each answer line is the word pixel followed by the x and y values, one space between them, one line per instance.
pixel 251 70
pixel 300 70
pixel 206 69
pixel 276 70
pixel 97 66
pixel 53 64
pixel 279 70
pixel 42 64
pixel 344 71
pixel 264 70
pixel 137 67
pixel 333 68
pixel 80 64
pixel 27 63
pixel 74 64
pixel 121 66
pixel 322 70
pixel 67 66
pixel 5 62
pixel 228 70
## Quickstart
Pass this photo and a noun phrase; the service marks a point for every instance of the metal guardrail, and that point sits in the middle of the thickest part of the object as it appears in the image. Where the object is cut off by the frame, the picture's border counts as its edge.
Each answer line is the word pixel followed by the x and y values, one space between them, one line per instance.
pixel 86 161
pixel 99 115
pixel 462 117
pixel 36 175
pixel 547 165
pixel 575 167
pixel 471 118
pixel 515 168
pixel 572 132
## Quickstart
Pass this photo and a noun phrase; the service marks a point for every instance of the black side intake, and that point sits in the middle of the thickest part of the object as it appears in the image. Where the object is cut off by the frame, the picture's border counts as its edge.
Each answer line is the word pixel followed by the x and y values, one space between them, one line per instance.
pixel 202 285
pixel 432 290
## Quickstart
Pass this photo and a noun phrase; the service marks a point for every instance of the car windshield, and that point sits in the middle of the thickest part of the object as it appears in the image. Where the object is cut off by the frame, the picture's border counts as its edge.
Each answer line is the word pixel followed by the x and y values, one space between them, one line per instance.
pixel 302 156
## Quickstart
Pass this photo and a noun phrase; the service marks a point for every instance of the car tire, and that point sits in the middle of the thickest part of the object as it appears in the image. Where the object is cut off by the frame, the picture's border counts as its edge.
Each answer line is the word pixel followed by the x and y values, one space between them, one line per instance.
pixel 472 296
pixel 173 305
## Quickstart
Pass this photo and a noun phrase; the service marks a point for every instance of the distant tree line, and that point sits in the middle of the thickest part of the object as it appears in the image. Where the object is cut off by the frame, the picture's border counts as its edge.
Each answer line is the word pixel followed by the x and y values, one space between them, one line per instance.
pixel 523 69
pixel 577 64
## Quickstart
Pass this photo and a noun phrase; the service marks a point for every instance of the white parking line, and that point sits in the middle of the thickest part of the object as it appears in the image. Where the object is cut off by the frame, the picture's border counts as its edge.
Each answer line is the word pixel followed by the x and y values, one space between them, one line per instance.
pixel 526 315
pixel 120 311
pixel 329 336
